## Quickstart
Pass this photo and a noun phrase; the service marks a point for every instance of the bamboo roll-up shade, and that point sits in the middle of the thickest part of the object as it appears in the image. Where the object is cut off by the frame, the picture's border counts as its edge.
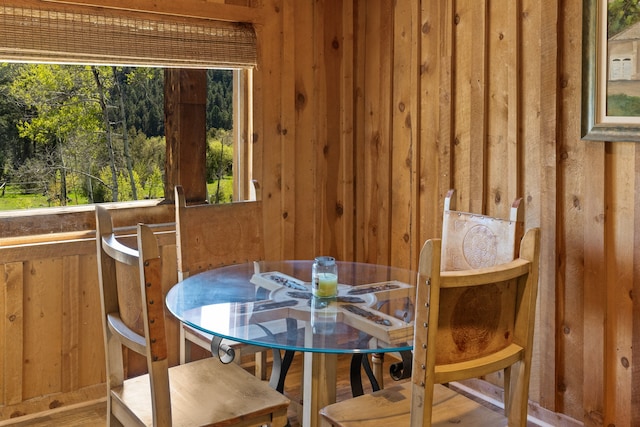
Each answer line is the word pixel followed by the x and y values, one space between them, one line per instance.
pixel 32 31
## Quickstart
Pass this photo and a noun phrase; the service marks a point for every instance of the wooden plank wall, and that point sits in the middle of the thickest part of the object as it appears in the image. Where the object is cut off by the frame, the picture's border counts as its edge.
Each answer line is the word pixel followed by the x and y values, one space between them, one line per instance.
pixel 382 106
pixel 51 345
pixel 366 112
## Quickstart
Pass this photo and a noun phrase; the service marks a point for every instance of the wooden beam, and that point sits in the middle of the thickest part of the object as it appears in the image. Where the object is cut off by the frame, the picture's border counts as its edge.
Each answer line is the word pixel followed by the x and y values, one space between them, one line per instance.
pixel 185 103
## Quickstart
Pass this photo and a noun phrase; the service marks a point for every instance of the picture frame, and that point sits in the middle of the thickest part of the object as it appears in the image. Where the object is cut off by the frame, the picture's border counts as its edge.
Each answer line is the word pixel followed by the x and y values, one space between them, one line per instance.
pixel 604 73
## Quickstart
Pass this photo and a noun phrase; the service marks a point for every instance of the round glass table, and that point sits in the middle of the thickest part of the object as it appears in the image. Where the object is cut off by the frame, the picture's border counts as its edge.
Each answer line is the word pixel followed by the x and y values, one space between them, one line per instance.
pixel 270 304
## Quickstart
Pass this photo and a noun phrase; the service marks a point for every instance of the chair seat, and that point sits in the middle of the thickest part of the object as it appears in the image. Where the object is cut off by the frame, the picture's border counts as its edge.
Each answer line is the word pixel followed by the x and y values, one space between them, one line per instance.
pixel 392 406
pixel 190 384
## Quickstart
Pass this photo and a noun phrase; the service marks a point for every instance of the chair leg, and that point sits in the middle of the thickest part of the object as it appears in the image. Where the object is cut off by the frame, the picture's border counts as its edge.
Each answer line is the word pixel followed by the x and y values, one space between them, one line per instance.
pixel 507 390
pixel 261 365
pixel 377 360
pixel 183 346
pixel 280 418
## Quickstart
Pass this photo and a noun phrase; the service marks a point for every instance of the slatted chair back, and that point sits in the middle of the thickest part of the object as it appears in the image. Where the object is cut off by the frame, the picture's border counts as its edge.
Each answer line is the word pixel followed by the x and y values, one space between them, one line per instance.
pixel 471 240
pixel 474 322
pixel 199 393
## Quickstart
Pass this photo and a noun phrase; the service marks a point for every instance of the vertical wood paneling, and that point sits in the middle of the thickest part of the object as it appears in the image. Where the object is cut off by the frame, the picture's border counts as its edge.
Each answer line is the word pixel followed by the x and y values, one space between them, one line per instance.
pixel 512 184
pixel 403 155
pixel 360 141
pixel 445 112
pixel 477 102
pixel 13 333
pixel 635 344
pixel 288 153
pixel 43 324
pixel 300 109
pixel 330 150
pixel 4 320
pixel 346 191
pixel 431 145
pixel 70 323
pixel 90 352
pixel 570 229
pixel 500 103
pixel 468 169
pixel 531 147
pixel 269 125
pixel 619 257
pixel 546 198
pixel 376 185
pixel 594 276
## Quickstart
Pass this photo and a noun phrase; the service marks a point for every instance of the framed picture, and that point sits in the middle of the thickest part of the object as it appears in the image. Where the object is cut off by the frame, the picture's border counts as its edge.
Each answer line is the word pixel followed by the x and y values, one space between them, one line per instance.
pixel 611 70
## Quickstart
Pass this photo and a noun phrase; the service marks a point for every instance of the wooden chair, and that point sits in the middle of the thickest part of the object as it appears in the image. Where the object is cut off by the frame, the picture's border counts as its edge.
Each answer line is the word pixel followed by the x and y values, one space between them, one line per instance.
pixel 469 240
pixel 201 393
pixel 209 236
pixel 469 323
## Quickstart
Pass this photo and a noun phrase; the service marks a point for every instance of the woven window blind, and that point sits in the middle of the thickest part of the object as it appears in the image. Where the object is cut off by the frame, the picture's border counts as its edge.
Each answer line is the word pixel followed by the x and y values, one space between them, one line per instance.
pixel 38 32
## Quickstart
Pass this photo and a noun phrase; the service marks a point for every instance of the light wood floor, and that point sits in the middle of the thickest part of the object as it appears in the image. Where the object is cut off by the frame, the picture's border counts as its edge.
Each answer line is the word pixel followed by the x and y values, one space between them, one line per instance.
pixel 94 414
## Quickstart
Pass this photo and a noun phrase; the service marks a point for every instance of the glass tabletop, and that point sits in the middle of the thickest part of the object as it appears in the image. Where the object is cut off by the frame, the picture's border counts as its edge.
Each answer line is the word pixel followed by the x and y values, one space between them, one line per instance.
pixel 270 304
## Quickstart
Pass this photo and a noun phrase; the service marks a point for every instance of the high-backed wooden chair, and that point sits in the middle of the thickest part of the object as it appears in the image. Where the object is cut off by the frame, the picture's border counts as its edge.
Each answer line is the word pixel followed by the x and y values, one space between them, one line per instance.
pixel 209 236
pixel 470 240
pixel 201 393
pixel 469 323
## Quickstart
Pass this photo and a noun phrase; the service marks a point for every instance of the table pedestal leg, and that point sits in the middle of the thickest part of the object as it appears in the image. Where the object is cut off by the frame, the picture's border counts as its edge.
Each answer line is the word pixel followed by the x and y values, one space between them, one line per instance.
pixel 377 360
pixel 319 386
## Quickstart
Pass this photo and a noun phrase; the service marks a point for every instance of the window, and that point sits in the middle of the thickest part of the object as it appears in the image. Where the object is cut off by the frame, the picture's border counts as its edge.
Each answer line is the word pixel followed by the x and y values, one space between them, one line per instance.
pixel 135 45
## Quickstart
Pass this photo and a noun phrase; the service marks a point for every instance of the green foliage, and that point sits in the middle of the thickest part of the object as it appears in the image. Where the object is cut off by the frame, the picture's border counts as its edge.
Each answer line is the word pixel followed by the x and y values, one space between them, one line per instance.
pixel 220 99
pixel 152 187
pixel 56 141
pixel 144 99
pixel 219 160
pixel 623 105
pixel 63 106
pixel 222 193
pixel 621 14
pixel 13 149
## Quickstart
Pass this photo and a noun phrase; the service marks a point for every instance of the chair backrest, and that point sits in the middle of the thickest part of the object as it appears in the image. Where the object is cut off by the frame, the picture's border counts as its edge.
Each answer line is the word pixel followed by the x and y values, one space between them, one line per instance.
pixel 472 240
pixel 133 309
pixel 209 236
pixel 474 322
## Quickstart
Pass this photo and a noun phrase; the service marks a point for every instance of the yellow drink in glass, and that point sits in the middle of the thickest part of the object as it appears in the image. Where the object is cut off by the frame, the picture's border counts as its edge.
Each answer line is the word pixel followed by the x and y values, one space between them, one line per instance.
pixel 327 285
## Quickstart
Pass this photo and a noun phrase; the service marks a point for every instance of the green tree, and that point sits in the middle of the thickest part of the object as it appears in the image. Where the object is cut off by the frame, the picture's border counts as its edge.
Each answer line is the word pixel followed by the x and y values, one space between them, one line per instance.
pixel 220 99
pixel 143 90
pixel 219 160
pixel 14 150
pixel 59 110
pixel 620 15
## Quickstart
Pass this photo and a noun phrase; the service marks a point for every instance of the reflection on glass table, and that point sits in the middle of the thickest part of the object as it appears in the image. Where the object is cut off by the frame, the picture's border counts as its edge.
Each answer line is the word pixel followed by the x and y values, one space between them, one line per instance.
pixel 270 304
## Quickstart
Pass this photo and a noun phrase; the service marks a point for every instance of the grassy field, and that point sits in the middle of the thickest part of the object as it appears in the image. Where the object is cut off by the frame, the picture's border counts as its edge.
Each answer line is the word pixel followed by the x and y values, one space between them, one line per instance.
pixel 12 199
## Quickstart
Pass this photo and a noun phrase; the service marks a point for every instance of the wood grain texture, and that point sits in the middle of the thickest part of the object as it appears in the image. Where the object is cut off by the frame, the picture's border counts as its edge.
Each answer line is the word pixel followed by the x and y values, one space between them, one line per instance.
pixel 470 137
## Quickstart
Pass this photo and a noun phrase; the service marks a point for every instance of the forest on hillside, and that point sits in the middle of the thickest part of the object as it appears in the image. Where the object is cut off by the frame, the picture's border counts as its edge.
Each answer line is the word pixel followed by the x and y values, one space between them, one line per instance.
pixel 96 133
